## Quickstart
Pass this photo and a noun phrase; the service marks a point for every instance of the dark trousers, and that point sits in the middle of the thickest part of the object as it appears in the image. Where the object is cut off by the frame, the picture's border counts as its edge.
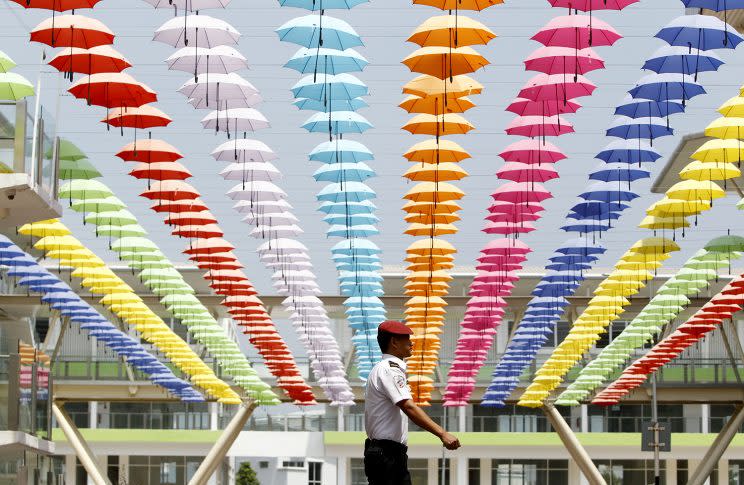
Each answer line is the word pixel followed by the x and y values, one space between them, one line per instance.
pixel 386 463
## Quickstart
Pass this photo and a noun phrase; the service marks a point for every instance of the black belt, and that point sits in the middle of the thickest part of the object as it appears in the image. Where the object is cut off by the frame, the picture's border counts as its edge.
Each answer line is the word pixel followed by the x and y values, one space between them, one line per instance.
pixel 386 445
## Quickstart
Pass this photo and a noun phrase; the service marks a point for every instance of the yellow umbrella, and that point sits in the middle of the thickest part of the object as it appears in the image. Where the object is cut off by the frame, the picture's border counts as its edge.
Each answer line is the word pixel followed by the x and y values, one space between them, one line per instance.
pixel 430 230
pixel 720 151
pixel 442 125
pixel 457 86
pixel 418 301
pixel 700 171
pixel 436 104
pixel 445 62
pixel 82 262
pixel 734 107
pixel 659 223
pixel 442 172
pixel 695 190
pixel 653 245
pixel 667 207
pixel 121 297
pixel 459 4
pixel 58 242
pixel 614 288
pixel 93 273
pixel 69 253
pixel 451 30
pixel 430 191
pixel 637 265
pixel 48 227
pixel 726 128
pixel 436 151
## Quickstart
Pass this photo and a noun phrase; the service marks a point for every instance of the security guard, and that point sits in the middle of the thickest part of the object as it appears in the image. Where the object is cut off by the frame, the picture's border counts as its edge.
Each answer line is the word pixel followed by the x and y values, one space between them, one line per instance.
pixel 387 403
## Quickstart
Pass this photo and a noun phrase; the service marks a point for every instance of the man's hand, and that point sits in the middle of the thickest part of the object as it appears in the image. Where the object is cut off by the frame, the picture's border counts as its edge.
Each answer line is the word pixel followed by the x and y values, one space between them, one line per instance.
pixel 450 441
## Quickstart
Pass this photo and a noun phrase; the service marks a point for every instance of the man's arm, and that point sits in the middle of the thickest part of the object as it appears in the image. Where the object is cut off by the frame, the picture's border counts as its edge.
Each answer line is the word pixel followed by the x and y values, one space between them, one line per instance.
pixel 422 420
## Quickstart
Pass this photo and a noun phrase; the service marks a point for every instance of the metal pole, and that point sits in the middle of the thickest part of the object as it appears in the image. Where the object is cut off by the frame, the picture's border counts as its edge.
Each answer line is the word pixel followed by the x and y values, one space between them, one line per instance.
pixel 574 448
pixel 731 356
pixel 82 450
pixel 223 444
pixel 655 424
pixel 716 450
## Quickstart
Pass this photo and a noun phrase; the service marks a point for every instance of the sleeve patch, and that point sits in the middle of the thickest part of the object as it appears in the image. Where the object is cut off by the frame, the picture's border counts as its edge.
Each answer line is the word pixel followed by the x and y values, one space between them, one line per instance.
pixel 400 381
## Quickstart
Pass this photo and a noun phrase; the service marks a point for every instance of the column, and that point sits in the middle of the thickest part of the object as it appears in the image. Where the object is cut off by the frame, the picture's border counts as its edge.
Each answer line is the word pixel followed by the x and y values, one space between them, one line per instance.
pixel 340 424
pixel 70 465
pixel 459 471
pixel 432 472
pixel 214 417
pixel 584 418
pixel 574 474
pixel 124 468
pixel 485 471
pixel 342 470
pixel 671 472
pixel 693 414
pixel 723 471
pixel 462 419
pixel 93 414
pixel 705 418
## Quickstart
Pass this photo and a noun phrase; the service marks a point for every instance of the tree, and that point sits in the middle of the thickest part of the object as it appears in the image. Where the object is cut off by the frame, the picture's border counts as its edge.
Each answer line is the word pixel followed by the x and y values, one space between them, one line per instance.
pixel 246 475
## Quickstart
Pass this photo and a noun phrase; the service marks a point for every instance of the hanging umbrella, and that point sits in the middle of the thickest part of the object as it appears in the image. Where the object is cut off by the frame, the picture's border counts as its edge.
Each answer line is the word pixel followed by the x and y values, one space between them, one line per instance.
pixel 556 86
pixel 354 104
pixel 518 192
pixel 434 151
pixel 459 4
pixel 314 31
pixel 142 117
pixel 264 171
pixel 314 5
pixel 192 205
pixel 451 31
pixel 577 32
pixel 221 59
pixel 329 87
pixel 563 60
pixel 527 107
pixel 628 151
pixel 445 171
pixel 327 61
pixel 235 120
pixel 93 204
pixel 455 86
pixel 709 171
pixel 337 122
pixel 643 108
pixel 149 151
pixel 81 189
pixel 522 172
pixel 99 59
pixel 72 31
pixel 720 151
pixel 198 231
pixel 112 90
pixel 630 128
pixel 592 5
pixel 14 87
pixel 702 32
pixel 243 150
pixel 539 126
pixel 225 89
pixel 665 87
pixel 441 125
pixel 338 151
pixel 190 5
pixel 170 190
pixel 445 62
pixel 6 63
pixel 679 60
pixel 725 128
pixel 436 104
pixel 202 30
pixel 340 172
pixel 532 152
pixel 733 107
pixel 256 190
pixel 614 172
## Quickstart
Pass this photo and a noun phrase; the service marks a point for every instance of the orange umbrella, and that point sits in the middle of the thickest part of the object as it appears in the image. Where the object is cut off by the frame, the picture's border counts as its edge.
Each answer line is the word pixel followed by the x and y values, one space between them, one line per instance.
pixel 433 246
pixel 451 30
pixel 435 266
pixel 445 62
pixel 430 230
pixel 459 4
pixel 423 218
pixel 170 190
pixel 436 104
pixel 99 59
pixel 433 258
pixel 444 207
pixel 112 90
pixel 161 171
pixel 456 86
pixel 441 172
pixel 447 124
pixel 149 151
pixel 142 117
pixel 436 151
pixel 434 192
pixel 72 31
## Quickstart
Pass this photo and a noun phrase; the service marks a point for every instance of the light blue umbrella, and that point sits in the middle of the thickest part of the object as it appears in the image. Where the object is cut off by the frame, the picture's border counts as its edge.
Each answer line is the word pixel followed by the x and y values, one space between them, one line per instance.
pixel 323 60
pixel 341 151
pixel 361 207
pixel 315 5
pixel 352 219
pixel 325 107
pixel 360 230
pixel 315 31
pixel 337 122
pixel 349 191
pixel 356 246
pixel 341 172
pixel 330 87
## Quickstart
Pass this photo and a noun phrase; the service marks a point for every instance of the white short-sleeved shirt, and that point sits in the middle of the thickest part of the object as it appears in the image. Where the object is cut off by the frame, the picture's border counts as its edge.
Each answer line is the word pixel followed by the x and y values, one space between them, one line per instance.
pixel 387 385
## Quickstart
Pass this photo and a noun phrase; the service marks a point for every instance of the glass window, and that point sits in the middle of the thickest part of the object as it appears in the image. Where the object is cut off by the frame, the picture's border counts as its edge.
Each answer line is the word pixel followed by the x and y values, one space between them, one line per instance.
pixel 474 471
pixel 314 469
pixel 736 472
pixel 529 472
pixel 443 472
pixel 621 472
pixel 419 471
pixel 357 472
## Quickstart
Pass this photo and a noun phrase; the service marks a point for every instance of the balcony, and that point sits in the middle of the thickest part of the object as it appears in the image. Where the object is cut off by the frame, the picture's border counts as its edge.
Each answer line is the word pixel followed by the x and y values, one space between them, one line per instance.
pixel 29 165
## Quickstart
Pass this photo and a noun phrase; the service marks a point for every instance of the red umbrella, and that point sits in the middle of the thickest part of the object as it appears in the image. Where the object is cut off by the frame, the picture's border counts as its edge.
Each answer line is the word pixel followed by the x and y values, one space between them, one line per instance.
pixel 225 257
pixel 539 126
pixel 149 151
pixel 57 5
pixel 514 218
pixel 170 190
pixel 72 31
pixel 526 107
pixel 520 192
pixel 532 151
pixel 169 206
pixel 99 59
pixel 213 265
pixel 161 171
pixel 225 275
pixel 112 90
pixel 198 230
pixel 241 301
pixel 190 218
pixel 504 227
pixel 209 246
pixel 143 117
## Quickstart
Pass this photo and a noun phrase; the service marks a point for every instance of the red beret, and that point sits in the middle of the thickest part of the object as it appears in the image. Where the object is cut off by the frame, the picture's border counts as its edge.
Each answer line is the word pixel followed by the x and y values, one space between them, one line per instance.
pixel 395 327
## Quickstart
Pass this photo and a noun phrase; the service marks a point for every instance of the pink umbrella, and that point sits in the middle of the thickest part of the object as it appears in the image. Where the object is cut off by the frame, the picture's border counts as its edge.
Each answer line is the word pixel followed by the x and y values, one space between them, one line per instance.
pixel 500 207
pixel 539 126
pixel 485 289
pixel 499 267
pixel 506 247
pixel 495 276
pixel 526 107
pixel 577 31
pixel 519 192
pixel 556 86
pixel 590 5
pixel 563 60
pixel 502 259
pixel 505 227
pixel 523 172
pixel 532 151
pixel 514 217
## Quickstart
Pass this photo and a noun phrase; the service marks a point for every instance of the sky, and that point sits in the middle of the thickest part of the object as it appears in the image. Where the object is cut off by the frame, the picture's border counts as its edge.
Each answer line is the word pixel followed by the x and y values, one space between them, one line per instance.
pixel 384 26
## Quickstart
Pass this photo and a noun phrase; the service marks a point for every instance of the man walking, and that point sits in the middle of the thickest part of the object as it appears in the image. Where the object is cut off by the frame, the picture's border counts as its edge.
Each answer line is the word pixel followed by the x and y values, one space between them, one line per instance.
pixel 387 403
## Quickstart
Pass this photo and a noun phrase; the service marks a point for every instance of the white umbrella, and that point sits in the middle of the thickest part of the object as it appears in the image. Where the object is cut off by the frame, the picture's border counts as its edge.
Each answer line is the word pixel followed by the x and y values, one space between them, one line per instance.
pixel 221 59
pixel 245 149
pixel 190 5
pixel 222 89
pixel 249 207
pixel 273 258
pixel 293 265
pixel 210 103
pixel 235 120
pixel 203 30
pixel 283 245
pixel 251 171
pixel 268 231
pixel 272 218
pixel 257 190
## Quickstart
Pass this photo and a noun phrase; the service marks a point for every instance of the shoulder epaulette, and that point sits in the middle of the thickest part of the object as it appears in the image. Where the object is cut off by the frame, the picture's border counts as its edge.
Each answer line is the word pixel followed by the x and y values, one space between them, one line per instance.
pixel 393 364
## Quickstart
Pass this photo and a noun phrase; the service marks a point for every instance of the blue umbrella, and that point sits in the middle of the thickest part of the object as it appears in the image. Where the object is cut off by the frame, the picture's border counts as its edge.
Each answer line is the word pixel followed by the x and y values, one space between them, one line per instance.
pixel 664 87
pixel 585 226
pixel 629 128
pixel 360 230
pixel 329 87
pixel 315 5
pixel 330 61
pixel 341 151
pixel 358 246
pixel 359 267
pixel 587 209
pixel 702 32
pixel 337 122
pixel 349 191
pixel 605 216
pixel 20 261
pixel 340 172
pixel 337 105
pixel 60 297
pixel 629 151
pixel 361 207
pixel 10 252
pixel 613 172
pixel 578 246
pixel 643 108
pixel 679 60
pixel 352 219
pixel 319 31
pixel 608 192
pixel 563 266
pixel 717 5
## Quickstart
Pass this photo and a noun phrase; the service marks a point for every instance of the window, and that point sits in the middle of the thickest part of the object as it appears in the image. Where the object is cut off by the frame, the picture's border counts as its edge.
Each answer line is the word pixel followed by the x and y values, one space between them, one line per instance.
pixel 263 464
pixel 529 472
pixel 443 472
pixel 736 472
pixel 293 463
pixel 619 472
pixel 474 471
pixel 314 472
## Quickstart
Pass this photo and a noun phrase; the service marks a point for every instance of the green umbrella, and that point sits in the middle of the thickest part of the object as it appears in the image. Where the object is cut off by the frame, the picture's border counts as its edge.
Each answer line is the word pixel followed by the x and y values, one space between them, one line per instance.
pixel 726 244
pixel 67 151
pixel 136 245
pixel 149 264
pixel 14 87
pixel 122 217
pixel 84 189
pixel 6 63
pixel 671 300
pixel 121 230
pixel 98 205
pixel 688 274
pixel 171 274
pixel 77 169
pixel 165 291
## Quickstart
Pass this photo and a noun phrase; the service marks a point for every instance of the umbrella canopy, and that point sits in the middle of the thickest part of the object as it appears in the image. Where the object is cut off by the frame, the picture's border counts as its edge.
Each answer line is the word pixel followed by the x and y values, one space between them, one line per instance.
pixel 95 60
pixel 450 30
pixel 313 31
pixel 202 30
pixel 14 87
pixel 142 117
pixel 72 31
pixel 112 90
pixel 577 32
